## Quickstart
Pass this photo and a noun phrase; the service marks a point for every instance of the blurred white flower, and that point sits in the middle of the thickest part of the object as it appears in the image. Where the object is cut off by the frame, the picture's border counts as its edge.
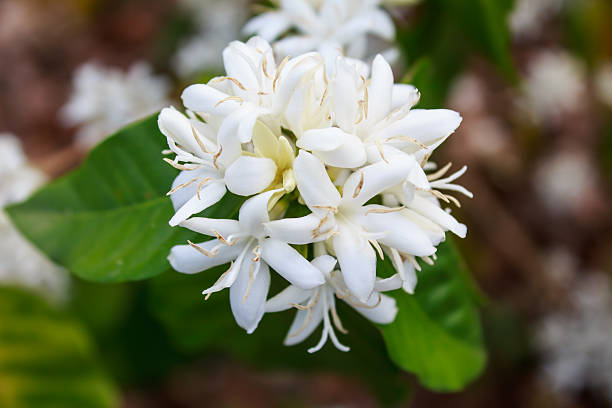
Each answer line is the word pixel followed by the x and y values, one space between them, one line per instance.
pixel 20 262
pixel 603 83
pixel 528 16
pixel 555 85
pixel 103 100
pixel 217 23
pixel 563 181
pixel 467 94
pixel 323 24
pixel 575 342
pixel 316 305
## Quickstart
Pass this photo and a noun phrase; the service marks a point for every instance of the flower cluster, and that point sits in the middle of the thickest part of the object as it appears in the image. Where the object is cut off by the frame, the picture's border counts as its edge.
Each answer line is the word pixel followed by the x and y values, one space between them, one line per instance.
pixel 330 156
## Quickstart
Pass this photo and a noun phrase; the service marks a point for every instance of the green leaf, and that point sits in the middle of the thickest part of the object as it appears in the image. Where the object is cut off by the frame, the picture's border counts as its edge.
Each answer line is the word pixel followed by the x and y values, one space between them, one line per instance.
pixel 199 326
pixel 107 221
pixel 46 358
pixel 437 333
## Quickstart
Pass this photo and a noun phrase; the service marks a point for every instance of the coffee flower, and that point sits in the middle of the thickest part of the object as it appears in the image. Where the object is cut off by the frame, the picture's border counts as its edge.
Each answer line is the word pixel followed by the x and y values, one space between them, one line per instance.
pixel 317 304
pixel 321 25
pixel 343 150
pixel 245 243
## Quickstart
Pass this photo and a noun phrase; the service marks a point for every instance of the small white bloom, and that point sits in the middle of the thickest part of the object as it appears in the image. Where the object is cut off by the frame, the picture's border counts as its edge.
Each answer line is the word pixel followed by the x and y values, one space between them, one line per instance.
pixel 575 341
pixel 555 86
pixel 245 242
pixel 528 16
pixel 375 120
pixel 104 100
pixel 603 83
pixel 323 24
pixel 209 169
pixel 359 227
pixel 317 304
pixel 565 181
pixel 254 88
pixel 20 262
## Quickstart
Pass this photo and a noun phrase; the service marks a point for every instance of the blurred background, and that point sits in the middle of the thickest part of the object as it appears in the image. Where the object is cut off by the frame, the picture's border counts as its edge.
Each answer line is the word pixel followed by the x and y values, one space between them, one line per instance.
pixel 533 82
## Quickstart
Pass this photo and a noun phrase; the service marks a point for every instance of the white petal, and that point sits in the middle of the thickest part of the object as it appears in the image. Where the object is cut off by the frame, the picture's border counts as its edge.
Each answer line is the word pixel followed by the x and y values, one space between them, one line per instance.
pixel 400 233
pixel 209 195
pixel 239 65
pixel 384 313
pixel 357 262
pixel 300 230
pixel 177 126
pixel 228 136
pixel 182 195
pixel 290 264
pixel 212 226
pixel 325 263
pixel 205 98
pixel 434 231
pixel 304 324
pixel 404 95
pixel 284 300
pixel 292 77
pixel 322 140
pixel 432 211
pixel 350 155
pixel 387 284
pixel 428 127
pixel 249 175
pixel 186 259
pixel 373 180
pixel 313 182
pixel 294 45
pixel 254 213
pixel 380 90
pixel 248 295
pixel 345 97
pixel 267 25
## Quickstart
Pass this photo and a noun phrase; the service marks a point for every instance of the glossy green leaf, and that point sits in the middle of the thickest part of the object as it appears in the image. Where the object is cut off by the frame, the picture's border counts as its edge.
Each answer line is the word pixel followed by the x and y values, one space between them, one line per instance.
pixel 437 333
pixel 107 221
pixel 46 358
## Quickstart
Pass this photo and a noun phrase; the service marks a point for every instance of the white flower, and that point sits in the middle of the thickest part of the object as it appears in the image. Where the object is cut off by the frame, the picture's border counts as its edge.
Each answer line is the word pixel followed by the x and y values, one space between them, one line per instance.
pixel 555 86
pixel 575 341
pixel 565 181
pixel 528 16
pixel 323 24
pixel 316 305
pixel 375 120
pixel 245 242
pixel 358 227
pixel 603 83
pixel 17 177
pixel 105 99
pixel 20 262
pixel 254 88
pixel 209 169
